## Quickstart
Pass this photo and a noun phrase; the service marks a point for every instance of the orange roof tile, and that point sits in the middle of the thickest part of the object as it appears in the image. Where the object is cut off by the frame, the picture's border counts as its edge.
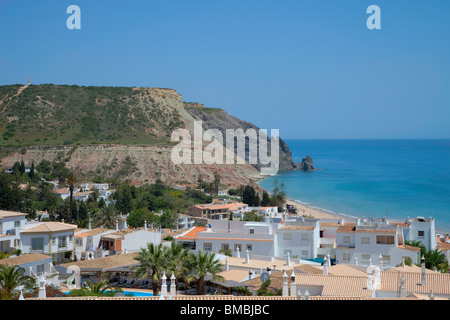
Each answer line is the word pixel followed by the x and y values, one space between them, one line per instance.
pixel 192 234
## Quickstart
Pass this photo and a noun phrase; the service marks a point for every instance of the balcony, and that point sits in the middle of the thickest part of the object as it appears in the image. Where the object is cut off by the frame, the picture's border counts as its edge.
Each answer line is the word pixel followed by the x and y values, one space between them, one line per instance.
pixel 8 233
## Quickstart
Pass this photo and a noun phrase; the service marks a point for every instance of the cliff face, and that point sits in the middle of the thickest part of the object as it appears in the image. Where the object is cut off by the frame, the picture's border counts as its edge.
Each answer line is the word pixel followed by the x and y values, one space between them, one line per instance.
pixel 113 131
pixel 136 163
pixel 218 118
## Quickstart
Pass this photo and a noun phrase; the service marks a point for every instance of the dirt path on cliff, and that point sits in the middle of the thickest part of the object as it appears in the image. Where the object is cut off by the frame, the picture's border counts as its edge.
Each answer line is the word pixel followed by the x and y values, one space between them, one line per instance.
pixel 10 98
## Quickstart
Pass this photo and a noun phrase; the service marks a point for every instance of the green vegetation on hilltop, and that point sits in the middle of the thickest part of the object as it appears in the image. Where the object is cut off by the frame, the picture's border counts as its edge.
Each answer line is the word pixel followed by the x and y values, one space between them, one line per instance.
pixel 50 114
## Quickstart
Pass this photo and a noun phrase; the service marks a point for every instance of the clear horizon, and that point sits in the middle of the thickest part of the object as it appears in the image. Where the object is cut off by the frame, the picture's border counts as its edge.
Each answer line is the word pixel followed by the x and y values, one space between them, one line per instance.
pixel 313 71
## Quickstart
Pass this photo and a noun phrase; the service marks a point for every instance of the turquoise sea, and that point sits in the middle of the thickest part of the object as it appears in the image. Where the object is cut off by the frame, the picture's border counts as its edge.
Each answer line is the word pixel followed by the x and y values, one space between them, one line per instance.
pixel 372 178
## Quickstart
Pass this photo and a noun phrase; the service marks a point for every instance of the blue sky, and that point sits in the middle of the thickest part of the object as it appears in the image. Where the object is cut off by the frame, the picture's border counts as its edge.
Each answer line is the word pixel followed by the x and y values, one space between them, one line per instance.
pixel 311 69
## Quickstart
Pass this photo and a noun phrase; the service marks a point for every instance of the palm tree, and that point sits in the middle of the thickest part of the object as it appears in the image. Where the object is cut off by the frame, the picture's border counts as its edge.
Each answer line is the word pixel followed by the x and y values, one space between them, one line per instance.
pixel 153 260
pixel 106 217
pixel 12 277
pixel 179 266
pixel 71 179
pixel 202 265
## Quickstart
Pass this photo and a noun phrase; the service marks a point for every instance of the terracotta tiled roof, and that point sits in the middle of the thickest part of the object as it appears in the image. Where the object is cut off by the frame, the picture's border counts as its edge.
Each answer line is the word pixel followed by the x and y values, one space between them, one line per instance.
pixel 234 274
pixel 297 228
pixel 410 248
pixel 8 214
pixel 192 234
pixel 45 227
pixel 368 230
pixel 110 262
pixel 437 282
pixel 25 258
pixel 348 227
pixel 329 224
pixel 258 264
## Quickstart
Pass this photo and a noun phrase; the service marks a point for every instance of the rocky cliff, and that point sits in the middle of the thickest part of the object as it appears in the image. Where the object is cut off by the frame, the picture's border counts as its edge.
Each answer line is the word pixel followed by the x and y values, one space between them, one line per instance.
pixel 117 132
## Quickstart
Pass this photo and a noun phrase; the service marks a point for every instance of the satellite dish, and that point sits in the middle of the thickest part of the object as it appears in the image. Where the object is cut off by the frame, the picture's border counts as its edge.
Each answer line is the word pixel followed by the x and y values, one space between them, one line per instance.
pixel 264 276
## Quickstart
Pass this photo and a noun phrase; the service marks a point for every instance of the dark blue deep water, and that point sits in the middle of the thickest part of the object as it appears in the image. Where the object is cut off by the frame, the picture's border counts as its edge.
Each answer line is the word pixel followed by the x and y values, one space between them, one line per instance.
pixel 367 178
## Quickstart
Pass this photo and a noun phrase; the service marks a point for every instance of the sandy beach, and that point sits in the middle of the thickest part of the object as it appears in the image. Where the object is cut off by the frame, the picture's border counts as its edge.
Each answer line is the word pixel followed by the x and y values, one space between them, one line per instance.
pixel 316 213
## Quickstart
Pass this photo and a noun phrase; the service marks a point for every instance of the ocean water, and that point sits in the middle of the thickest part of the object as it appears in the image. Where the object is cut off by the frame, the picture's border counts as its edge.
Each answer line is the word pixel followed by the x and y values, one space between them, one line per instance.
pixel 372 178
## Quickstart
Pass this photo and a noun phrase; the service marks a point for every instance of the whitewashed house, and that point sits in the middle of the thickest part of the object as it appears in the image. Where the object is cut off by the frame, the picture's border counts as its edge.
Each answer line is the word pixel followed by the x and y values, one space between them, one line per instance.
pixel 36 265
pixel 237 236
pixel 372 240
pixel 51 238
pixel 298 238
pixel 87 243
pixel 10 225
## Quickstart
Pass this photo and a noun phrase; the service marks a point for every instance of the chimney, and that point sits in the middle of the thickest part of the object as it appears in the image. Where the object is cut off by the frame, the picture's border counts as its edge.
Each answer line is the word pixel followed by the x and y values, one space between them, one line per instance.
pixel 293 292
pixel 424 279
pixel 247 259
pixel 380 263
pixel 145 225
pixel 288 260
pixel 227 266
pixel 369 282
pixel 62 220
pixel 356 261
pixel 402 293
pixel 306 295
pixel 173 286
pixel 269 270
pixel 42 292
pixel 329 260
pixel 325 266
pixel 341 221
pixel 90 224
pixel 117 225
pixel 238 254
pixel 431 295
pixel 164 285
pixel 285 289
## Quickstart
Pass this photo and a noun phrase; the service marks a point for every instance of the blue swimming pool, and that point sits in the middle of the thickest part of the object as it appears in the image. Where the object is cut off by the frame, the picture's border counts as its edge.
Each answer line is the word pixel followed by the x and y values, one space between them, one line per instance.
pixel 134 293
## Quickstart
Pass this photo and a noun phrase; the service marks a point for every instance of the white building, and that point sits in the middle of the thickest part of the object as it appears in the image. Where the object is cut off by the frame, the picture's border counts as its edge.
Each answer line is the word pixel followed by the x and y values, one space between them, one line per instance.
pixel 87 243
pixel 373 241
pixel 420 229
pixel 298 238
pixel 294 237
pixel 36 265
pixel 52 238
pixel 10 225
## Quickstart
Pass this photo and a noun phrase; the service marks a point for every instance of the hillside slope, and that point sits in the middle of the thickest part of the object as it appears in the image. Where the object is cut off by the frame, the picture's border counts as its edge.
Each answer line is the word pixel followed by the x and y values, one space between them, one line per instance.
pixel 120 132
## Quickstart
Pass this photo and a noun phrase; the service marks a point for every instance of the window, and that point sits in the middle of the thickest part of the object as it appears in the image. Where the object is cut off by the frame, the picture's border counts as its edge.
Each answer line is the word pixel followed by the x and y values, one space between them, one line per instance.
pixel 207 247
pixel 386 259
pixel 17 224
pixel 304 236
pixel 40 268
pixel 287 236
pixel 238 246
pixel 365 240
pixel 347 239
pixel 252 231
pixel 17 243
pixel 346 256
pixel 37 244
pixel 304 253
pixel 421 233
pixel 365 258
pixel 385 239
pixel 225 246
pixel 62 242
pixel 53 241
pixel 70 239
pixel 249 247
